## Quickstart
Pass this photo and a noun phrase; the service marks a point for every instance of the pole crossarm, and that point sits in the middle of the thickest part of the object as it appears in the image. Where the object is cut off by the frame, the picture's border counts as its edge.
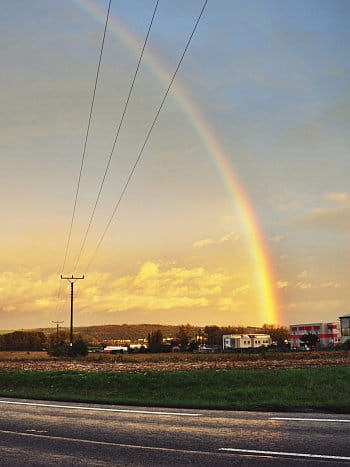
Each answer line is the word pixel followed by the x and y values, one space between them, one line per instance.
pixel 72 278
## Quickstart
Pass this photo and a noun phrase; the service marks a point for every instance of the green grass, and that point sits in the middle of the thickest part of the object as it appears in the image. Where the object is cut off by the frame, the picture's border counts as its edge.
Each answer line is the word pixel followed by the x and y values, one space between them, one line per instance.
pixel 291 389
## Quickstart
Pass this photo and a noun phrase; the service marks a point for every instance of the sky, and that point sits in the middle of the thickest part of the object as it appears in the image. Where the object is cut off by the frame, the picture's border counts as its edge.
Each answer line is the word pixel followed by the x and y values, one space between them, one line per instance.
pixel 242 191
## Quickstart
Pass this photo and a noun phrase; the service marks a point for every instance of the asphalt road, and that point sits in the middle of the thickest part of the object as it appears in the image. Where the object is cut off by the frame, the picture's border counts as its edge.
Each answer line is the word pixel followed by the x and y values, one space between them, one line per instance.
pixel 39 433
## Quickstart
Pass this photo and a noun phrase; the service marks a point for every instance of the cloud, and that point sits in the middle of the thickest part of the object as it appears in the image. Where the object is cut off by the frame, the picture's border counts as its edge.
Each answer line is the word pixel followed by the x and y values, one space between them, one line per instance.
pixel 202 243
pixel 336 196
pixel 284 204
pixel 276 238
pixel 330 285
pixel 232 236
pixel 229 237
pixel 303 285
pixel 303 274
pixel 332 219
pixel 152 287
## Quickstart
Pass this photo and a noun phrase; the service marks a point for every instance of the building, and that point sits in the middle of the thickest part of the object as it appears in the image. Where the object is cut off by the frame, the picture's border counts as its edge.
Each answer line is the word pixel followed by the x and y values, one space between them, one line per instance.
pixel 345 327
pixel 245 341
pixel 328 333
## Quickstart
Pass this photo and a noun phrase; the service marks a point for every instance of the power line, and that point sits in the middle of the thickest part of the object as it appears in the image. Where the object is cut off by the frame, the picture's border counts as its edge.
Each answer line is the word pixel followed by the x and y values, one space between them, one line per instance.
pixel 86 138
pixel 146 140
pixel 115 139
pixel 84 152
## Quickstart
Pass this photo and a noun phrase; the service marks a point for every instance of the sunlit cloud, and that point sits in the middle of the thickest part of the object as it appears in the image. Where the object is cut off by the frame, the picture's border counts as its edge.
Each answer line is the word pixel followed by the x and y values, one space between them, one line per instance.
pixel 337 196
pixel 229 237
pixel 332 219
pixel 203 243
pixel 152 287
pixel 282 284
pixel 303 274
pixel 303 285
pixel 330 285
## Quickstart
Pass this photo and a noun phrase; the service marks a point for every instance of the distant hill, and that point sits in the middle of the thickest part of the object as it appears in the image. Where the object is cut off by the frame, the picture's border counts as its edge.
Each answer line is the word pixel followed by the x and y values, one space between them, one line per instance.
pixel 118 331
pixel 132 331
pixel 126 331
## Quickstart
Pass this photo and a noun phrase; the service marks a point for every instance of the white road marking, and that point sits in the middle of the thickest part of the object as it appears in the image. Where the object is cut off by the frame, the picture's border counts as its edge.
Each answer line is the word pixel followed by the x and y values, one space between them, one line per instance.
pixel 311 419
pixel 107 443
pixel 37 431
pixel 281 453
pixel 102 409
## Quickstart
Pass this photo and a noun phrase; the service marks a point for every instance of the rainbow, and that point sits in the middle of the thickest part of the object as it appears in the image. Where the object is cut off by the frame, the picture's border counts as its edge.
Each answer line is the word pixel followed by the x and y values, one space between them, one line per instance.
pixel 262 266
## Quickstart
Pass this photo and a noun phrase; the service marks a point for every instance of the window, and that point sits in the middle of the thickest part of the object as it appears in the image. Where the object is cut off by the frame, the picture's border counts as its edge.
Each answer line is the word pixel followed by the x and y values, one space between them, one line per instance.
pixel 345 326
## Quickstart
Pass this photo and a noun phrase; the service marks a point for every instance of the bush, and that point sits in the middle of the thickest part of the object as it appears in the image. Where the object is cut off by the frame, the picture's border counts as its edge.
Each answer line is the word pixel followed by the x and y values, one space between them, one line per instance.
pixel 79 348
pixel 62 349
pixel 344 346
pixel 58 350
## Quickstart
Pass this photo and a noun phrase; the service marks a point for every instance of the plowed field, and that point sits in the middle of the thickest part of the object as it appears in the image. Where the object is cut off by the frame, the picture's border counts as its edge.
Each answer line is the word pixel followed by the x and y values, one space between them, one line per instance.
pixel 38 361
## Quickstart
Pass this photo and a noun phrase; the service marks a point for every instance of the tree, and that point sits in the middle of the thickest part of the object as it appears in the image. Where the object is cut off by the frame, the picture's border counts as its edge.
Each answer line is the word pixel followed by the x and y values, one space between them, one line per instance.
pixel 63 337
pixel 184 335
pixel 61 348
pixel 23 340
pixel 344 346
pixel 310 339
pixel 279 334
pixel 155 341
pixel 79 348
pixel 214 335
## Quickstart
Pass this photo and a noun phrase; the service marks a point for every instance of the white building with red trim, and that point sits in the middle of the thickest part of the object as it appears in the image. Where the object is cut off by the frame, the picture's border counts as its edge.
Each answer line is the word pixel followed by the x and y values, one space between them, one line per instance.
pixel 328 333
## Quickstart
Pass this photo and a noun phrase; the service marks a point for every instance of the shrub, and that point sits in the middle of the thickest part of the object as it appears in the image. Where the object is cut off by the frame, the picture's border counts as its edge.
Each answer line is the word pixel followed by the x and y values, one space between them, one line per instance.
pixel 62 349
pixel 344 346
pixel 79 348
pixel 58 350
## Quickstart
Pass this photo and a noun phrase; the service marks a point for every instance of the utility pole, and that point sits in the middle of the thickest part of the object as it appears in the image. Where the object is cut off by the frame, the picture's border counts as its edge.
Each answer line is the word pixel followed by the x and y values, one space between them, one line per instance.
pixel 71 280
pixel 57 327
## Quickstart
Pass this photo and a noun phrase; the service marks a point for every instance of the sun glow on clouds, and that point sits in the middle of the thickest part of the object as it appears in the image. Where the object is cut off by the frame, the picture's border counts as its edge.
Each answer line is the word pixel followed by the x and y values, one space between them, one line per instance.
pixel 152 287
pixel 231 236
pixel 337 196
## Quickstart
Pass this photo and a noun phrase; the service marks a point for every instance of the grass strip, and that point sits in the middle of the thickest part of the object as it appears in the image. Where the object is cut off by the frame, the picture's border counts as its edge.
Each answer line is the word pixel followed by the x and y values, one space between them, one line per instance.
pixel 283 390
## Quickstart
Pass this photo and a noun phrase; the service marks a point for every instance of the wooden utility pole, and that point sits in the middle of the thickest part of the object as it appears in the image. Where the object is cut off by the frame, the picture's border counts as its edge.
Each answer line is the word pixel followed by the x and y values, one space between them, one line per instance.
pixel 57 328
pixel 71 280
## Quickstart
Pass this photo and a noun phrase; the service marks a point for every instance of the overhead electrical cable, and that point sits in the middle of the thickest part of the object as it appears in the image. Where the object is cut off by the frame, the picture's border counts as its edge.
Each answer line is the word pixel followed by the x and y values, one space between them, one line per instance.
pixel 115 139
pixel 145 141
pixel 84 152
pixel 86 138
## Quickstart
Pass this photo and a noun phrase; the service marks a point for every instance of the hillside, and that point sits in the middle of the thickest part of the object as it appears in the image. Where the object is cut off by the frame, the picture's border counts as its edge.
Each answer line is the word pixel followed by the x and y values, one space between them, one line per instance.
pixel 94 334
pixel 120 331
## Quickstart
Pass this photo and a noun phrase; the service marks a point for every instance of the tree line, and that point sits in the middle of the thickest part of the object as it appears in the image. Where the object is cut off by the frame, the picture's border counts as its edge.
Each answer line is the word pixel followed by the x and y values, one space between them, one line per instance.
pixel 23 340
pixel 189 338
pixel 186 337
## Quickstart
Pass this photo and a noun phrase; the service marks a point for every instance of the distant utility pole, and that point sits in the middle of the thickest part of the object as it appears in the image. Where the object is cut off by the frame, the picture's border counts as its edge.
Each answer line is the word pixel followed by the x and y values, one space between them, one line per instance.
pixel 71 280
pixel 57 327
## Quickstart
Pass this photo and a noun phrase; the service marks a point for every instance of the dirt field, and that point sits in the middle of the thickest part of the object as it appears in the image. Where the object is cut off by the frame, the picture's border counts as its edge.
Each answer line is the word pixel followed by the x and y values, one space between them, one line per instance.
pixel 137 363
